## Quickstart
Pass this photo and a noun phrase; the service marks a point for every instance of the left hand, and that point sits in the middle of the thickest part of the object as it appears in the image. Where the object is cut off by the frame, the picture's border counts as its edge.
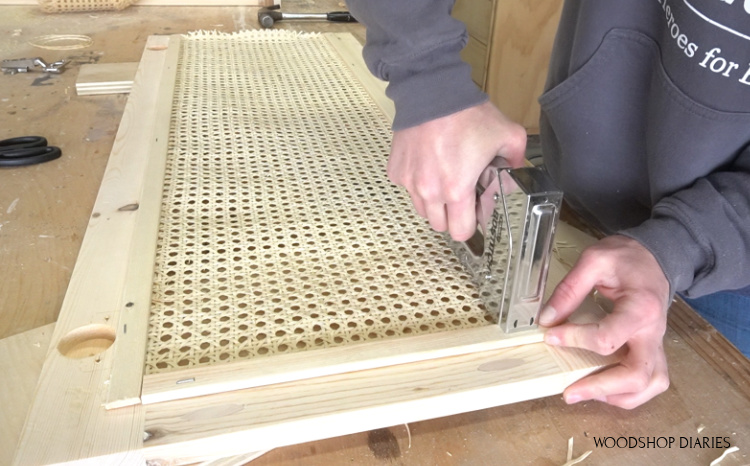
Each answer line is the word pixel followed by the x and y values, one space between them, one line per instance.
pixel 624 271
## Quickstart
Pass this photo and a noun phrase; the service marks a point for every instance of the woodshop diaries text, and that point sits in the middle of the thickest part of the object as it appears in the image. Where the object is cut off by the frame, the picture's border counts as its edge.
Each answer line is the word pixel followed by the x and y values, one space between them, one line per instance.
pixel 662 442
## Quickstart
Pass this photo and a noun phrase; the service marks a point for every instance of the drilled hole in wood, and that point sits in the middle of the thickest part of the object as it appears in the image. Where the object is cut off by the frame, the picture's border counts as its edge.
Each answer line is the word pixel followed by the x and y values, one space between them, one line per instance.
pixel 86 341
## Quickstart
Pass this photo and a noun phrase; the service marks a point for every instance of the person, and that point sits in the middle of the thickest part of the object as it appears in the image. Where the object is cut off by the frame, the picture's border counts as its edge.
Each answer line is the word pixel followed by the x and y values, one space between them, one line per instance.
pixel 645 127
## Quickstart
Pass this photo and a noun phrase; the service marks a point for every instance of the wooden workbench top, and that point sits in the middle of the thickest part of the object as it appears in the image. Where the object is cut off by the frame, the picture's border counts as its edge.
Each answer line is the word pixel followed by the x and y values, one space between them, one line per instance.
pixel 44 211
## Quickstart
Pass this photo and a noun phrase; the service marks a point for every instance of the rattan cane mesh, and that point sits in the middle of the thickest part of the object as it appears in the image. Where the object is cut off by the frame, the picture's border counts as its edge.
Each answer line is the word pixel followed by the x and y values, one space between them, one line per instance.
pixel 65 6
pixel 279 230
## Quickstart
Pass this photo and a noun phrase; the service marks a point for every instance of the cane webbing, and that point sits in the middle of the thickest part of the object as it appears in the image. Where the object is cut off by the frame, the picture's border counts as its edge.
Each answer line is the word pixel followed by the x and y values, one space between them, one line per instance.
pixel 279 230
pixel 65 6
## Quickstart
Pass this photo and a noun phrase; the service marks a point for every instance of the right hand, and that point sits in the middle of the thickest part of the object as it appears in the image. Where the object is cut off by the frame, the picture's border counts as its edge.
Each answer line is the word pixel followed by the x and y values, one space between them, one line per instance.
pixel 439 163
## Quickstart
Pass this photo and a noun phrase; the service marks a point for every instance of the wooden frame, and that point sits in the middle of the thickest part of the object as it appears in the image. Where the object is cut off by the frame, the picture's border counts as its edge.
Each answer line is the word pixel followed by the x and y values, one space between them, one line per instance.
pixel 285 368
pixel 91 363
pixel 125 381
pixel 206 380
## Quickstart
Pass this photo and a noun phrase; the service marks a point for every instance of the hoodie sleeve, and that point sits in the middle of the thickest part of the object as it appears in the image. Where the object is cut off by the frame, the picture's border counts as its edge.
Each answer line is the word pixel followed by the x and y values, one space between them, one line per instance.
pixel 701 235
pixel 415 46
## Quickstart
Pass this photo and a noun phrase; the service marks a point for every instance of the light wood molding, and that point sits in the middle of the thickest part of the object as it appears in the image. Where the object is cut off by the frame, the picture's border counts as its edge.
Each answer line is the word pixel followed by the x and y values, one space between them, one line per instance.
pixel 132 327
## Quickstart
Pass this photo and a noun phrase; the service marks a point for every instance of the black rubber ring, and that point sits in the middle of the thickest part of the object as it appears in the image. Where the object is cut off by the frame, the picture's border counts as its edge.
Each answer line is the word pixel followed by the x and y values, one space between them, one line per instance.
pixel 28 156
pixel 21 142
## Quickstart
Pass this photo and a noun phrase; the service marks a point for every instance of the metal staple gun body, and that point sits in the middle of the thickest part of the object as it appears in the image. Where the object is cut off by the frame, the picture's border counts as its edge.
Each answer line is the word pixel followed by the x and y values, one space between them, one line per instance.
pixel 509 254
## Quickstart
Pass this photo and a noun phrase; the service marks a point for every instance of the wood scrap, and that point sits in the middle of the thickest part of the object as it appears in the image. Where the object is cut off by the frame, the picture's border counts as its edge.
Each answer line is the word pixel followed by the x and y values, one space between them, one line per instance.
pixel 106 78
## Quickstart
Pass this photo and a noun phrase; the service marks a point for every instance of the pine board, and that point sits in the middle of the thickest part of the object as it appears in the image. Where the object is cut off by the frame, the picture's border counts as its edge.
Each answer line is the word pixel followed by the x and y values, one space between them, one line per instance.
pixel 293 413
pixel 128 352
pixel 307 365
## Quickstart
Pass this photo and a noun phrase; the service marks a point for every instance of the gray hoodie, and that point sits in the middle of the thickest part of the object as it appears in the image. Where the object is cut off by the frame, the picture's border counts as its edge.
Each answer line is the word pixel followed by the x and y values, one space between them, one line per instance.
pixel 645 117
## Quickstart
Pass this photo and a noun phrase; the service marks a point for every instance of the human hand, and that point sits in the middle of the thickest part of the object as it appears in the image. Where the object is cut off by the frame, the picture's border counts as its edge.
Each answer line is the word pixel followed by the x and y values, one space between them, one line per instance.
pixel 439 163
pixel 625 272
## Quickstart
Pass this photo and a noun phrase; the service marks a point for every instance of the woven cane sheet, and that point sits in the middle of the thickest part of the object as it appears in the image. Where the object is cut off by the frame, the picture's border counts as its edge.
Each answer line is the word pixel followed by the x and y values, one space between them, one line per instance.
pixel 279 230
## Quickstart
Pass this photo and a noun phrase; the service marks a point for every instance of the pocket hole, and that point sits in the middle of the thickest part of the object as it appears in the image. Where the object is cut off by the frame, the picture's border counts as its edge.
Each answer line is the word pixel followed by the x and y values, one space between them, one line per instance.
pixel 86 341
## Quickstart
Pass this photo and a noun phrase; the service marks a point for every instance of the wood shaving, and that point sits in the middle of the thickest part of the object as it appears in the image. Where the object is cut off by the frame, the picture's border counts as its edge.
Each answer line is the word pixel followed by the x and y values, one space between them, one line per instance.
pixel 727 452
pixel 570 461
pixel 570 449
pixel 579 459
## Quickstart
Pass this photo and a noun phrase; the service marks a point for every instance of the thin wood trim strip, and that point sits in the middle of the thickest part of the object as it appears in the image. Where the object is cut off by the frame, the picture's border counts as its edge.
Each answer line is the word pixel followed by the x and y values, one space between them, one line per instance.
pixel 105 90
pixel 67 420
pixel 132 329
pixel 329 361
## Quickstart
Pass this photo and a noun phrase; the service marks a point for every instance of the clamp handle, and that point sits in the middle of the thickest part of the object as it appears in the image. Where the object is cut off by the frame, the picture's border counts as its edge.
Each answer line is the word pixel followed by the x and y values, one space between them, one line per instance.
pixel 340 17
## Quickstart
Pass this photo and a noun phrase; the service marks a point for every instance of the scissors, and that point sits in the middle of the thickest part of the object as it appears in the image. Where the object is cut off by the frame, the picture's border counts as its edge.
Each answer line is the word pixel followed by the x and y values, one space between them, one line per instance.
pixel 26 150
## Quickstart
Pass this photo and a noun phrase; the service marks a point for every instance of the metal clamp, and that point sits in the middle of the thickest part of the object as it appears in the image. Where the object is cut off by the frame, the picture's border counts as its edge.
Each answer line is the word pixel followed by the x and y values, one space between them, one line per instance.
pixel 25 65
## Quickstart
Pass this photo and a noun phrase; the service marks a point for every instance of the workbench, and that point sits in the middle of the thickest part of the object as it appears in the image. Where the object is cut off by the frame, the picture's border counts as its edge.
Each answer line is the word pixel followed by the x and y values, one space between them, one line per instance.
pixel 44 211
